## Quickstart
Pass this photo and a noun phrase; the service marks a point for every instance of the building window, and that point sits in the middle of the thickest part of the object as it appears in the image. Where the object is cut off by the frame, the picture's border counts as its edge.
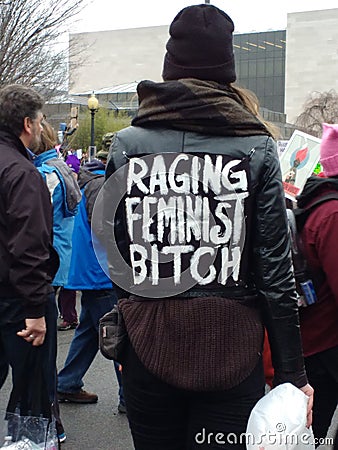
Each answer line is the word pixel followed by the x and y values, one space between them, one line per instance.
pixel 260 66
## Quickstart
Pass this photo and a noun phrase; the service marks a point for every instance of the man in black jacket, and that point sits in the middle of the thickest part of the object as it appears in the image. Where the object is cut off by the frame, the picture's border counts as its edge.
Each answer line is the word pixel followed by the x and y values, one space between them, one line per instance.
pixel 28 260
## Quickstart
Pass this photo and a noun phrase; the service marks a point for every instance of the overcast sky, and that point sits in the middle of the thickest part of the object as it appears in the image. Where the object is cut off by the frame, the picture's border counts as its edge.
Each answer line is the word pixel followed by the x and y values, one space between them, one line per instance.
pixel 248 15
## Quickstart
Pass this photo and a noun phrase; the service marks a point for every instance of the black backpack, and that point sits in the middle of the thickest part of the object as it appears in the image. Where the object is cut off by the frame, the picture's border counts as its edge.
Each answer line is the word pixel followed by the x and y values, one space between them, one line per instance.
pixel 307 283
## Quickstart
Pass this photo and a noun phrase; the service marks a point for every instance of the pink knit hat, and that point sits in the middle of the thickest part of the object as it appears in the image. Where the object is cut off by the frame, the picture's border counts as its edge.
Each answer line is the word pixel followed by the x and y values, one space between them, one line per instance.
pixel 329 150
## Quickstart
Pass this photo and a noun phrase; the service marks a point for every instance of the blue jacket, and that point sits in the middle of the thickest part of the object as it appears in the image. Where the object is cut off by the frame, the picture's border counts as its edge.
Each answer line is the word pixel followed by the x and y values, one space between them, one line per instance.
pixel 65 197
pixel 85 271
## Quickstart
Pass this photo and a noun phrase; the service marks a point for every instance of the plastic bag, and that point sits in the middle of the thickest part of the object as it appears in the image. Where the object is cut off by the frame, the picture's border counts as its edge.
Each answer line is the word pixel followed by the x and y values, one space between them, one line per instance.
pixel 27 444
pixel 28 423
pixel 27 433
pixel 278 421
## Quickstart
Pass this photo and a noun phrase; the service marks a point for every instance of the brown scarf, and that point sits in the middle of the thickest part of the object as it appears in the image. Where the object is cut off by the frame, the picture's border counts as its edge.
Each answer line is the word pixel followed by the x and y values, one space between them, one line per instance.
pixel 195 105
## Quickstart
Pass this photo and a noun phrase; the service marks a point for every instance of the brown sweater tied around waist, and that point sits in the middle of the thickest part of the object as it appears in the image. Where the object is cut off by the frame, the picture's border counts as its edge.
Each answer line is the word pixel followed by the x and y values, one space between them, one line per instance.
pixel 199 344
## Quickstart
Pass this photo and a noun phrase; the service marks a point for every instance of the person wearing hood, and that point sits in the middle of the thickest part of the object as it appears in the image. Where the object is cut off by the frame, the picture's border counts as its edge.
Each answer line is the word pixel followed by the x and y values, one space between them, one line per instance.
pixel 67 297
pixel 319 322
pixel 65 196
pixel 97 294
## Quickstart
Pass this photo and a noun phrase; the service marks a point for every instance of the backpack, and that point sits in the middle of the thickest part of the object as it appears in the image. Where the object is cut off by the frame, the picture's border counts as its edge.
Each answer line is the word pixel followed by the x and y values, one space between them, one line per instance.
pixel 307 282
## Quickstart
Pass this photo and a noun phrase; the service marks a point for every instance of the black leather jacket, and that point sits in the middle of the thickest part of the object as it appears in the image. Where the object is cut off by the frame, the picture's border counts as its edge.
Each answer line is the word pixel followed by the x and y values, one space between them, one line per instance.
pixel 266 270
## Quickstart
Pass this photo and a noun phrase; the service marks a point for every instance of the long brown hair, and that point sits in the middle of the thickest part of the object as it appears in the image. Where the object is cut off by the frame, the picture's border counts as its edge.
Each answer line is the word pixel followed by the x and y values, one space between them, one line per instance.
pixel 251 102
pixel 48 138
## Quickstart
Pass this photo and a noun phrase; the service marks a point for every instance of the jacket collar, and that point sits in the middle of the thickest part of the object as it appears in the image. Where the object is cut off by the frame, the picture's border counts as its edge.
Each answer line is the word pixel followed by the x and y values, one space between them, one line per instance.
pixel 45 156
pixel 7 137
pixel 86 175
pixel 314 187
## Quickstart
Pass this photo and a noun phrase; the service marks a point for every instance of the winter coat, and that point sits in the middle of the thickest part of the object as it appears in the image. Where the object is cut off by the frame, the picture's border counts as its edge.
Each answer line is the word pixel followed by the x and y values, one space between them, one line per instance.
pixel 319 322
pixel 85 269
pixel 28 260
pixel 65 196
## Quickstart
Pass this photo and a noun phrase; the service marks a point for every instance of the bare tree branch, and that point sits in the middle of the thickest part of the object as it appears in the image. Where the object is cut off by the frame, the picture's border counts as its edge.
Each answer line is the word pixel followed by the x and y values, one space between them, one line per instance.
pixel 30 42
pixel 320 107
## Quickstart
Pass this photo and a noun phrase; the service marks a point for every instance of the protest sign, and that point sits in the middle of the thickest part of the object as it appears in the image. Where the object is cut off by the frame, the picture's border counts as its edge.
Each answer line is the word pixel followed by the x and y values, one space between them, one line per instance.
pixel 298 162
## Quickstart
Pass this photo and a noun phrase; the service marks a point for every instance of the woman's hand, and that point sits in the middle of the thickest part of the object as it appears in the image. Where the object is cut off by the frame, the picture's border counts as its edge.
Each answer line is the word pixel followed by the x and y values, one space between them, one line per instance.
pixel 308 390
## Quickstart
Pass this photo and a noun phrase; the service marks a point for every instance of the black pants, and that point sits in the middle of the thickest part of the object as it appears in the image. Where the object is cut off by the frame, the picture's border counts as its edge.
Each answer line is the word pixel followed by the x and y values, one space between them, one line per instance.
pixel 162 417
pixel 322 372
pixel 14 349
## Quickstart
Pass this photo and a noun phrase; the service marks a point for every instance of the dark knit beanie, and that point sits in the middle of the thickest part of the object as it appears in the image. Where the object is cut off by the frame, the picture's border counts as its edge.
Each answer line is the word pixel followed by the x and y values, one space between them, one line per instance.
pixel 200 45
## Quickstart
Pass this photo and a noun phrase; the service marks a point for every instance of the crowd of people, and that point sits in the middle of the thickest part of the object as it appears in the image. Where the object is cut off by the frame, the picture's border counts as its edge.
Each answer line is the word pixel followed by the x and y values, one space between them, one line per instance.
pixel 198 251
pixel 46 205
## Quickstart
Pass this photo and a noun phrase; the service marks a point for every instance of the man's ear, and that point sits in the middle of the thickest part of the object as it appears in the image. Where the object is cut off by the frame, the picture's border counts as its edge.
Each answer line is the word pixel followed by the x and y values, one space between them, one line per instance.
pixel 27 124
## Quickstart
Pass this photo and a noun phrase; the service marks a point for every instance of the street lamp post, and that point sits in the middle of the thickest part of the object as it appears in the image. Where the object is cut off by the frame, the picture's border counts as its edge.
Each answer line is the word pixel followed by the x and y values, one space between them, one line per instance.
pixel 93 105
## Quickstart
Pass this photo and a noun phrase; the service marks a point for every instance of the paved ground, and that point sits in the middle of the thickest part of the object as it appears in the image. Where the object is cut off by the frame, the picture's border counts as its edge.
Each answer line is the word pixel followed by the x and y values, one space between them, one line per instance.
pixel 91 427
pixel 98 426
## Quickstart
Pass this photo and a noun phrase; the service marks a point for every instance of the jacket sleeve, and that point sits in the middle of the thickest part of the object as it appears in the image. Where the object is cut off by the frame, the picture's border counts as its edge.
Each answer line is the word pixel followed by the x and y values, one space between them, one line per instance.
pixel 274 275
pixel 91 192
pixel 114 220
pixel 29 237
